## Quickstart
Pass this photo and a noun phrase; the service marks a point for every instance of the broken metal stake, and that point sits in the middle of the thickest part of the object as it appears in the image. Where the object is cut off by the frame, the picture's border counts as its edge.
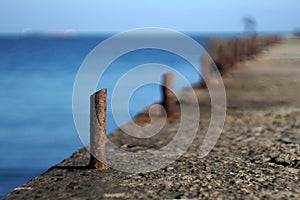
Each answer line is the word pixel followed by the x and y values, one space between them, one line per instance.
pixel 98 130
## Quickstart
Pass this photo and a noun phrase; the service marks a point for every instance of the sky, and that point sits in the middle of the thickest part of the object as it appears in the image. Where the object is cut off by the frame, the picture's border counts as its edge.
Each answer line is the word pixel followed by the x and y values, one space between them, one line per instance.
pixel 122 15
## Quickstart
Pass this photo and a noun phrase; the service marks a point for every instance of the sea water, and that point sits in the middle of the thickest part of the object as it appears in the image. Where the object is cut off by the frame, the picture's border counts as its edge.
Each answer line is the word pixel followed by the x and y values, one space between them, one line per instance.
pixel 37 74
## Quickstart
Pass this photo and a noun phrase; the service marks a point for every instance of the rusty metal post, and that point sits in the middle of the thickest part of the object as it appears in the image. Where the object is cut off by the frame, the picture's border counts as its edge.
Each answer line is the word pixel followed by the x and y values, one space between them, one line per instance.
pixel 255 45
pixel 98 130
pixel 248 49
pixel 168 96
pixel 225 60
pixel 245 49
pixel 205 62
pixel 230 53
pixel 251 47
pixel 237 51
pixel 234 51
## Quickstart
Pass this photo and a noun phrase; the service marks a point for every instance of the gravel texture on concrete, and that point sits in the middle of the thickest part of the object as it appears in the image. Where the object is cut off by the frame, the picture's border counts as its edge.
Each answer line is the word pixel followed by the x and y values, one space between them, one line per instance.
pixel 257 155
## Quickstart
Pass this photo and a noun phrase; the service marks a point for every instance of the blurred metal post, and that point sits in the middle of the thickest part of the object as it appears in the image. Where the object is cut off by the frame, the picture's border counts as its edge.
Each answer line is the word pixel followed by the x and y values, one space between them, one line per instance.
pixel 168 95
pixel 225 60
pixel 98 130
pixel 237 51
pixel 244 49
pixel 205 61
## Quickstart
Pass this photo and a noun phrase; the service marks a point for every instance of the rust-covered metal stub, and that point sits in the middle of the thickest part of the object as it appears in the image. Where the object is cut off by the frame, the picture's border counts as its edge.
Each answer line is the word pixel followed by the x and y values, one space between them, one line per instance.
pixel 98 130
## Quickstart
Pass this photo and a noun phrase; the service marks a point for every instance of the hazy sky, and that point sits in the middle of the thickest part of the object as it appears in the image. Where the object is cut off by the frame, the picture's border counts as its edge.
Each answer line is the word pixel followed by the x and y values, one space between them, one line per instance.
pixel 121 15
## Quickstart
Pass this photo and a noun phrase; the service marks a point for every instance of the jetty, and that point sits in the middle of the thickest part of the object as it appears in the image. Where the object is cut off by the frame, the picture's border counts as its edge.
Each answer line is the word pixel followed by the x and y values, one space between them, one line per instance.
pixel 257 155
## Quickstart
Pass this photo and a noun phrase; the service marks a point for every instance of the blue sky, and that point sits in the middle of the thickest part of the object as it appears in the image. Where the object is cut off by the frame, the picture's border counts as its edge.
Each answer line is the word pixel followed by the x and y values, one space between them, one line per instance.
pixel 121 15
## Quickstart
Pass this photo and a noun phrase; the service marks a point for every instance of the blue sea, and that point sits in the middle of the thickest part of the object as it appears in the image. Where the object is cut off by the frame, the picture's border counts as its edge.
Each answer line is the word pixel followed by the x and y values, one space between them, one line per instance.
pixel 37 73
